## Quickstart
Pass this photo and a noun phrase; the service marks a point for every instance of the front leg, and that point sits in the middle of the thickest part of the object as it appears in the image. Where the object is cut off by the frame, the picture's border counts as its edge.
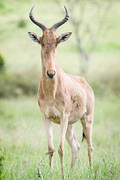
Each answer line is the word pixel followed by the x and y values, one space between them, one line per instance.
pixel 49 132
pixel 63 126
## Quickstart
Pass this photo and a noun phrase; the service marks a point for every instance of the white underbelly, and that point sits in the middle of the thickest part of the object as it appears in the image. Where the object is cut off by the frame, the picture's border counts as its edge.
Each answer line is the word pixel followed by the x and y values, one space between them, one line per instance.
pixel 54 114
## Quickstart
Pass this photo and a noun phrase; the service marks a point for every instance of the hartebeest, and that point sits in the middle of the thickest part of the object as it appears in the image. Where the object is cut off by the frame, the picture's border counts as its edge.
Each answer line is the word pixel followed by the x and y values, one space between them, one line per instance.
pixel 63 98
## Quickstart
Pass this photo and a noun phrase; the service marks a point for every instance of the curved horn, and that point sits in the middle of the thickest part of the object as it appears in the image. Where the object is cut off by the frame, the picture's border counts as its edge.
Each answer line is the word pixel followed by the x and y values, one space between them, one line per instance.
pixel 66 18
pixel 34 21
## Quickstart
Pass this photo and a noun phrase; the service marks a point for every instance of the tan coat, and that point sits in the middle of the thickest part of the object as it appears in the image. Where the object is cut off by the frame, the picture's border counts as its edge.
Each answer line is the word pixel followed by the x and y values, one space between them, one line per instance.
pixel 63 98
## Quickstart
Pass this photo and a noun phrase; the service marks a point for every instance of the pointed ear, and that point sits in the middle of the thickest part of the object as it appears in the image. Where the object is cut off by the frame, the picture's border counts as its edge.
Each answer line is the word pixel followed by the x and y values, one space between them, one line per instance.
pixel 34 37
pixel 63 37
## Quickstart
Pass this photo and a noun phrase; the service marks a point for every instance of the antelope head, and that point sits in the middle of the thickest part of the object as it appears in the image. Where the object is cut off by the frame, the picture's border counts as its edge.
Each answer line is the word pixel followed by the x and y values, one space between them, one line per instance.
pixel 49 42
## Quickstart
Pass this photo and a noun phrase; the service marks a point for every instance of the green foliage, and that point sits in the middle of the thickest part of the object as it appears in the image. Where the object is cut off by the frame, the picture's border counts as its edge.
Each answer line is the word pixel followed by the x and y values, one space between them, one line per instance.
pixel 106 83
pixel 22 23
pixel 2 162
pixel 2 63
pixel 16 85
pixel 5 7
pixel 1 4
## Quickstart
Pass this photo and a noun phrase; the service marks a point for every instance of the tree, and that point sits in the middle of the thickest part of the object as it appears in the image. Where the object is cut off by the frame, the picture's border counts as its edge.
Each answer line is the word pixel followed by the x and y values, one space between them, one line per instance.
pixel 88 21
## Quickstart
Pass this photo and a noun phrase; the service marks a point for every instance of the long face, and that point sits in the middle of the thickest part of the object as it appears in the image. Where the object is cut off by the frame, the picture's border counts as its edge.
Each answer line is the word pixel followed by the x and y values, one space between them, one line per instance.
pixel 48 42
pixel 48 47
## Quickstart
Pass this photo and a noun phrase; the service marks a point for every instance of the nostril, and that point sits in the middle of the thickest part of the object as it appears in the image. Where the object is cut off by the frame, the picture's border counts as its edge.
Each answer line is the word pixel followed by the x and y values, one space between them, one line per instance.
pixel 51 75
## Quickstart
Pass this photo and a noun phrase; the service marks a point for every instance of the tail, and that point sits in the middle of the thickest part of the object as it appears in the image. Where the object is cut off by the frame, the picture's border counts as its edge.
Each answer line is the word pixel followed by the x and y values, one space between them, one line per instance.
pixel 83 136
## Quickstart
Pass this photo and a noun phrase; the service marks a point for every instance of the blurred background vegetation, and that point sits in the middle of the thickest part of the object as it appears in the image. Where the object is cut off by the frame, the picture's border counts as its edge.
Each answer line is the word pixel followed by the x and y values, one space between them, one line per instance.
pixel 93 51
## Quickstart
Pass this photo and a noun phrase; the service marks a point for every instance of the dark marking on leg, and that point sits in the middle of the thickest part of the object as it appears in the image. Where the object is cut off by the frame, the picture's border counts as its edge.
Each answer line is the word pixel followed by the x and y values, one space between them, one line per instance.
pixel 83 136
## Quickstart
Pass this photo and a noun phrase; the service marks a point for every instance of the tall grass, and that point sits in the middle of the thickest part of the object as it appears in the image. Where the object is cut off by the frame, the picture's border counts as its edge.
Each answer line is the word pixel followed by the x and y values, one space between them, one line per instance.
pixel 23 137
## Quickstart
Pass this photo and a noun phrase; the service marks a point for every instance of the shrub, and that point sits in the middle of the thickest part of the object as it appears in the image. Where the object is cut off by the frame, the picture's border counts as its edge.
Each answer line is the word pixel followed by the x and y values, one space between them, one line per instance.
pixel 22 23
pixel 13 85
pixel 2 63
pixel 106 82
pixel 2 162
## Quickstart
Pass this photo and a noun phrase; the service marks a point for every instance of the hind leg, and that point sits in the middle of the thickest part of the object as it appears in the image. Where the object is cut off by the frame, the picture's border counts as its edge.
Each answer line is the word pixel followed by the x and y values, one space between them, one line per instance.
pixel 87 122
pixel 73 144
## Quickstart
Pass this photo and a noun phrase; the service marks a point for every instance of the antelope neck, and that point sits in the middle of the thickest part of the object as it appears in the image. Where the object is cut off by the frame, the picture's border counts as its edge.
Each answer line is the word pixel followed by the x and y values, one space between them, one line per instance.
pixel 49 85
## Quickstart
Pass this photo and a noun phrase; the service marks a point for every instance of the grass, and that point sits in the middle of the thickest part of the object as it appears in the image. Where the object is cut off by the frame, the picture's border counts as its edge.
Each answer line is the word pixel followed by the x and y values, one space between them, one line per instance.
pixel 23 137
